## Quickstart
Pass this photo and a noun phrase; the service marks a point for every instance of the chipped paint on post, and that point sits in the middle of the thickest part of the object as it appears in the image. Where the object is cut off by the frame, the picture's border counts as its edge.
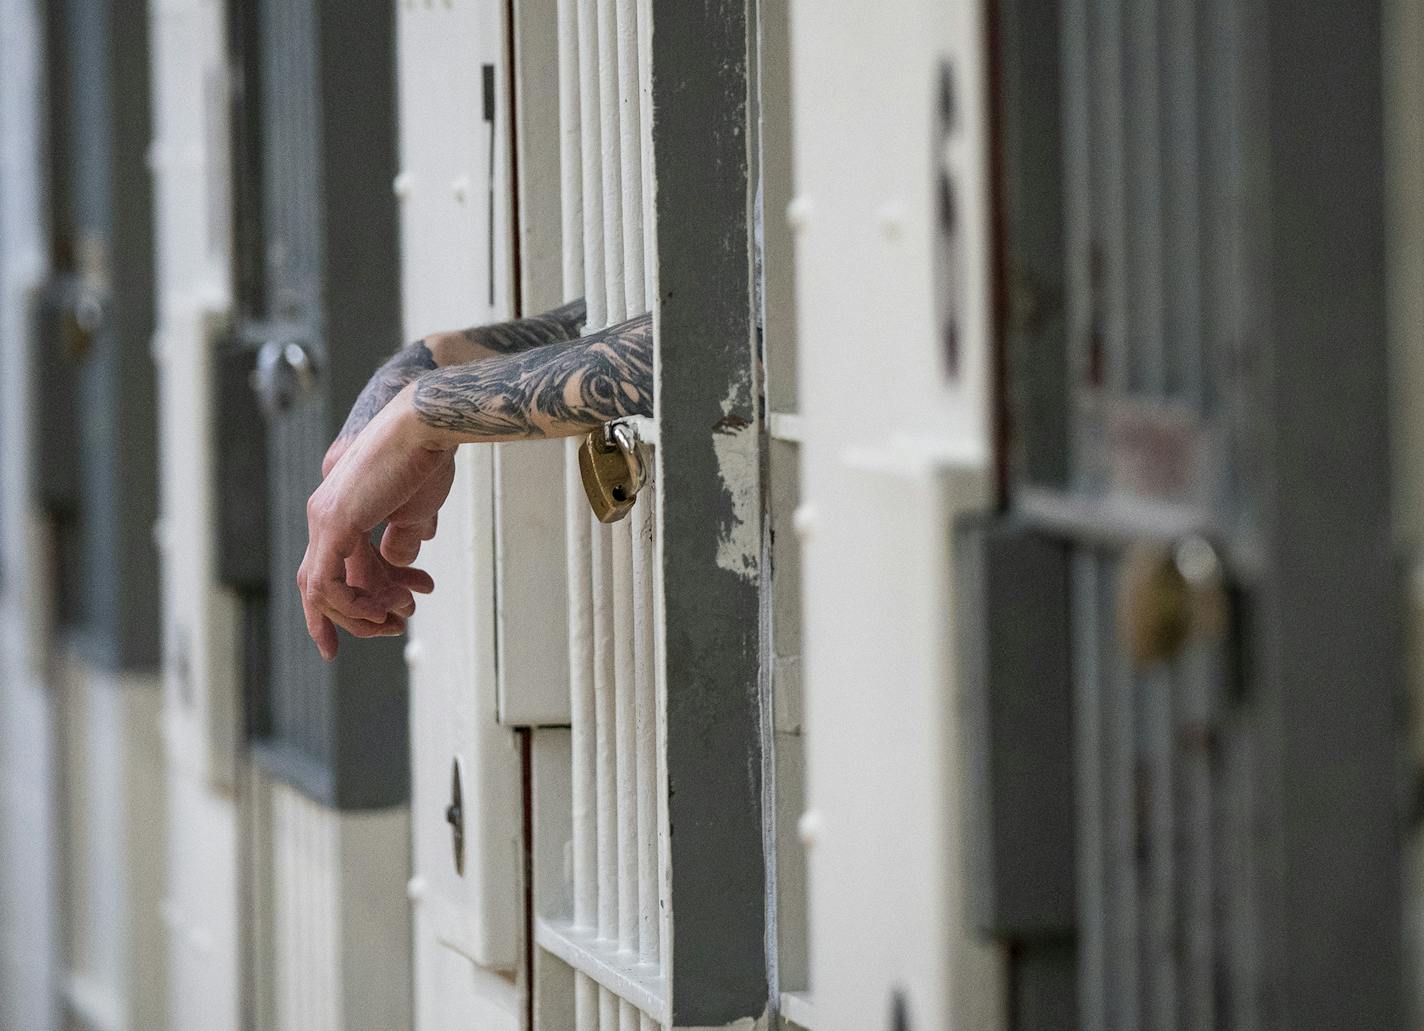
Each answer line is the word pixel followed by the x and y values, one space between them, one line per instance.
pixel 736 442
pixel 709 496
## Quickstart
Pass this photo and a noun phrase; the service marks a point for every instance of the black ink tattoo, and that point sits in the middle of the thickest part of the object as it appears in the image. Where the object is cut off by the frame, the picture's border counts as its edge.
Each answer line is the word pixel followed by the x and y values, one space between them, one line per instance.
pixel 550 391
pixel 407 364
pixel 558 326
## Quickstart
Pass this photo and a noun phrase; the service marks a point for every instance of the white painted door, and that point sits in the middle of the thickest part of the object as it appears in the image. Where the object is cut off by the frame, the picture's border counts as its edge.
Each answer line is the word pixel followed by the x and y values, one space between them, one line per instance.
pixel 201 619
pixel 893 368
pixel 455 254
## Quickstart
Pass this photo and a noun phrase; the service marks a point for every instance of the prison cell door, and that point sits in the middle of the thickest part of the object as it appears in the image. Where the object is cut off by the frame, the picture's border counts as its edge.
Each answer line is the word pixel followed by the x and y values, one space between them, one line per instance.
pixel 318 296
pixel 1185 642
pixel 96 484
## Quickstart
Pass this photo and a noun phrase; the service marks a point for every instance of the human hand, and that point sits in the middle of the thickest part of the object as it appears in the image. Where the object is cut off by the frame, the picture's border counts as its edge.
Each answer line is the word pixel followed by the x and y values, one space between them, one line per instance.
pixel 392 471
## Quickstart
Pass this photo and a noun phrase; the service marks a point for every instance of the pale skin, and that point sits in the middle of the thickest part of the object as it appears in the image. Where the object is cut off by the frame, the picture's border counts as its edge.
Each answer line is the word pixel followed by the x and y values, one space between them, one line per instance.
pixel 394 460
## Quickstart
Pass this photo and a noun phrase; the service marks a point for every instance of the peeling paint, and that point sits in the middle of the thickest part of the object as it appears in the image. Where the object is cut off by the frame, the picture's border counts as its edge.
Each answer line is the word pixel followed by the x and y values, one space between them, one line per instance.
pixel 734 440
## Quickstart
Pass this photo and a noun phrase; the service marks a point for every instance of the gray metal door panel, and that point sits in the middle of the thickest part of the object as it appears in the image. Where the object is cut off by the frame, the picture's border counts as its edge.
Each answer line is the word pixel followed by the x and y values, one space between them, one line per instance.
pixel 318 157
pixel 1190 234
pixel 94 377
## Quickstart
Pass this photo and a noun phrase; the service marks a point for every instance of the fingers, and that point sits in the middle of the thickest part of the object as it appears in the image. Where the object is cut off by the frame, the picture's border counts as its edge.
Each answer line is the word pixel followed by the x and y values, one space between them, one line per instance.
pixel 328 599
pixel 392 626
pixel 333 454
pixel 417 580
pixel 400 544
pixel 416 521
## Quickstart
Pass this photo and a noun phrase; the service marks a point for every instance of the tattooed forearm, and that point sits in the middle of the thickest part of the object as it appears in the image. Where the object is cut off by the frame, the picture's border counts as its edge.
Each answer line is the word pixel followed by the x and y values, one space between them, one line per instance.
pixel 407 364
pixel 551 391
pixel 443 349
pixel 554 327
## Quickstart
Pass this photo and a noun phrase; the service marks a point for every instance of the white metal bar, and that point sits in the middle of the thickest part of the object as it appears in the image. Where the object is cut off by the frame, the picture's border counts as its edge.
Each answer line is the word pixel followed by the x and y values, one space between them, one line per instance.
pixel 591 160
pixel 575 106
pixel 601 550
pixel 570 167
pixel 630 132
pixel 612 162
pixel 645 119
pixel 623 704
pixel 620 974
pixel 646 728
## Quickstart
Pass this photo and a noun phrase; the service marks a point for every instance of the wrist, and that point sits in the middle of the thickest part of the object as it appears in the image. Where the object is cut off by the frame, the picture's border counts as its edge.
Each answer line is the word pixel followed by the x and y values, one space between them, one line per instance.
pixel 415 431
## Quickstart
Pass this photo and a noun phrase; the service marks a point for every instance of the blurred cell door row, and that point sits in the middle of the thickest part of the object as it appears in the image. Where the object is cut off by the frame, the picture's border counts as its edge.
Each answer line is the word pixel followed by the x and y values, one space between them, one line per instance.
pixel 95 475
pixel 317 294
pixel 1187 786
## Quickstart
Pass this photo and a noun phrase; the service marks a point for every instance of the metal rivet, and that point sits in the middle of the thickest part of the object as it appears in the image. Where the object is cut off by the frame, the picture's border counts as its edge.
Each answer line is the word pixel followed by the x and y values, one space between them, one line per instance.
pixel 401 185
pixel 461 188
pixel 415 888
pixel 947 106
pixel 808 828
pixel 414 652
pixel 798 212
pixel 803 520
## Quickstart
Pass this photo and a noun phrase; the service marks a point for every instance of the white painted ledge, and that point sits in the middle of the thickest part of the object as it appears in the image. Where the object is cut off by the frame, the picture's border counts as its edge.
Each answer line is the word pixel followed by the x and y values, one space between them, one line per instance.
pixel 620 971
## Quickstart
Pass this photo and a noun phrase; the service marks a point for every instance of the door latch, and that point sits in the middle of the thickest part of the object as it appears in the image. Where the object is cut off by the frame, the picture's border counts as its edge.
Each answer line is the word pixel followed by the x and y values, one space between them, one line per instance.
pixel 613 464
pixel 285 373
pixel 455 817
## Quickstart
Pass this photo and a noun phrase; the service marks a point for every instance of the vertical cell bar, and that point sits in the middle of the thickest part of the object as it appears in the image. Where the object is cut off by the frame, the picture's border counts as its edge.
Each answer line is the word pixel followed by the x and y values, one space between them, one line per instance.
pixel 1120 830
pixel 1092 818
pixel 1196 731
pixel 1181 202
pixel 630 133
pixel 1220 187
pixel 591 159
pixel 611 157
pixel 1159 875
pixel 645 138
pixel 581 709
pixel 1083 316
pixel 1142 168
pixel 624 703
pixel 583 166
pixel 606 806
pixel 570 174
pixel 1105 65
pixel 643 617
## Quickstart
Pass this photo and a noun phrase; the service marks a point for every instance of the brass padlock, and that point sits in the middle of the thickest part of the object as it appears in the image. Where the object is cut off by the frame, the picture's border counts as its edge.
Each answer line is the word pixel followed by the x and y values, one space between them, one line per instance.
pixel 1168 597
pixel 613 467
